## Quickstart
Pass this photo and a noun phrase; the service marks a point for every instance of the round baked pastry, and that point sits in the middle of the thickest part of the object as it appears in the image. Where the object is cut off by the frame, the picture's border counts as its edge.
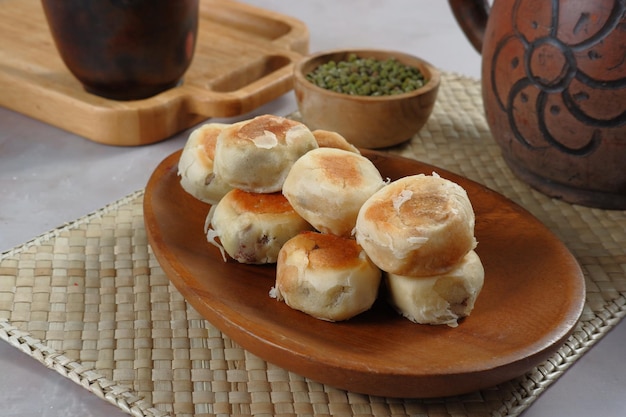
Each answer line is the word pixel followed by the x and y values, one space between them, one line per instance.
pixel 439 299
pixel 327 187
pixel 329 139
pixel 195 166
pixel 255 155
pixel 252 227
pixel 326 276
pixel 417 226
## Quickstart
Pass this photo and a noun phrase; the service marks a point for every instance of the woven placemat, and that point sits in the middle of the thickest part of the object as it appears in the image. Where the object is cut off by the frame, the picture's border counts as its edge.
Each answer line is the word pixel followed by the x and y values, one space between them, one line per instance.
pixel 90 301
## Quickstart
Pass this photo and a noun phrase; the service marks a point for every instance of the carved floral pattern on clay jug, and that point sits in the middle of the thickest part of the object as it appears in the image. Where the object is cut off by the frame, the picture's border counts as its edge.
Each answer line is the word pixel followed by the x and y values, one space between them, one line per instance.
pixel 554 90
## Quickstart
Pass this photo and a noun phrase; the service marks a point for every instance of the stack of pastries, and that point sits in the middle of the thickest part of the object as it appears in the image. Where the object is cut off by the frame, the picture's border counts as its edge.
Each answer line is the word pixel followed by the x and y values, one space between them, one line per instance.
pixel 420 231
pixel 311 203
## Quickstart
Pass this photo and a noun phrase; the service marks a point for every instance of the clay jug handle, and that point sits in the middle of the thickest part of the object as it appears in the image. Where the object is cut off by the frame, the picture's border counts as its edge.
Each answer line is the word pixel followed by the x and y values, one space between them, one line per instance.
pixel 472 16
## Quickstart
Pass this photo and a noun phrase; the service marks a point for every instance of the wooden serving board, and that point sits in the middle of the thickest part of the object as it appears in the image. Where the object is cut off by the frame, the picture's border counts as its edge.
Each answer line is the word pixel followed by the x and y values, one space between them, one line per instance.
pixel 244 58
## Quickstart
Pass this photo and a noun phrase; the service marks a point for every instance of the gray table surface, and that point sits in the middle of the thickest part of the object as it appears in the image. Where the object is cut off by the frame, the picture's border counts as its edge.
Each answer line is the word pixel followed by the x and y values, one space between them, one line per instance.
pixel 49 176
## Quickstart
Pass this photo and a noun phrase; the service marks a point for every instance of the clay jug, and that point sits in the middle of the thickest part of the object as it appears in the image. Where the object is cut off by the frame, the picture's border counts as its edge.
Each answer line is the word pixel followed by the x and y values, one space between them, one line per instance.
pixel 554 92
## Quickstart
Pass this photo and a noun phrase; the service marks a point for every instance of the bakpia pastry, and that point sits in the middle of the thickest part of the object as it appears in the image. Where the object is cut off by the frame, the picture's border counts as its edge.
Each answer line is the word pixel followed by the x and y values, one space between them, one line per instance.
pixel 418 225
pixel 195 166
pixel 255 155
pixel 327 187
pixel 252 227
pixel 438 299
pixel 330 139
pixel 326 276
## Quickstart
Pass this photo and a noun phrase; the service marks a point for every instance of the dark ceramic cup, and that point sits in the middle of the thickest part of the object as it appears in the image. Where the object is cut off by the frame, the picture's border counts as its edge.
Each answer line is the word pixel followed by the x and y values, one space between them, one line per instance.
pixel 124 49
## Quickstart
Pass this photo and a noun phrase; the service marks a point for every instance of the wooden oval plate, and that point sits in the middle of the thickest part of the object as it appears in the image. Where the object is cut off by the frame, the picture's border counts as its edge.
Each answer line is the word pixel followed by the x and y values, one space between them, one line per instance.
pixel 532 298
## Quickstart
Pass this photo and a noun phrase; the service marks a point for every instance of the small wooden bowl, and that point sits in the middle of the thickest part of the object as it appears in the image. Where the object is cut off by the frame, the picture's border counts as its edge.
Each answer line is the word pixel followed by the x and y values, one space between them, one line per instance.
pixel 366 121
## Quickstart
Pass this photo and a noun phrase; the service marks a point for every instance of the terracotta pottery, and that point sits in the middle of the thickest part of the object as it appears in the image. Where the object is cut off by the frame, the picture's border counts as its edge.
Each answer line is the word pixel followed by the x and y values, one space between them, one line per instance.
pixel 124 49
pixel 554 91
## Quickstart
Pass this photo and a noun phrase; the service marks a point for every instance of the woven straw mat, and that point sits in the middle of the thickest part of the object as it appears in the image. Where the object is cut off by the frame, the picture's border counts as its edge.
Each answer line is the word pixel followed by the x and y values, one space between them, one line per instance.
pixel 90 301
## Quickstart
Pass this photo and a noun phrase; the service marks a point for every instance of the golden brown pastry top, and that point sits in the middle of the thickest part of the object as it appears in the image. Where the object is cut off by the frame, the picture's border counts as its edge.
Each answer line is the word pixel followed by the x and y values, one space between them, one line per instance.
pixel 328 251
pixel 421 204
pixel 244 201
pixel 261 125
pixel 345 169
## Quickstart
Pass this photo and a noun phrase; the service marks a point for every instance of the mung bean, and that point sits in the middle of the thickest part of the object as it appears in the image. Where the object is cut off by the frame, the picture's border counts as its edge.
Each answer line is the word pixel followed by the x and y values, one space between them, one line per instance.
pixel 367 76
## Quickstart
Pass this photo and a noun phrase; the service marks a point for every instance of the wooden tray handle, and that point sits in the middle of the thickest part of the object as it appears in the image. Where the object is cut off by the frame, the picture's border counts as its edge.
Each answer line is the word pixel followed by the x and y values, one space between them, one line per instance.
pixel 259 88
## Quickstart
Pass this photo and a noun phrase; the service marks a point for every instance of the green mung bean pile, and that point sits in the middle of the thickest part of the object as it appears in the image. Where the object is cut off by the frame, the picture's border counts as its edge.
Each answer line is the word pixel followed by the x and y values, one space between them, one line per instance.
pixel 367 76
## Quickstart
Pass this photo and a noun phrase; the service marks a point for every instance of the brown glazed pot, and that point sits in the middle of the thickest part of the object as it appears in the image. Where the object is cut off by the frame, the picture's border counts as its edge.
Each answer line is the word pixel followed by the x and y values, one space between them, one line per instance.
pixel 554 91
pixel 124 49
